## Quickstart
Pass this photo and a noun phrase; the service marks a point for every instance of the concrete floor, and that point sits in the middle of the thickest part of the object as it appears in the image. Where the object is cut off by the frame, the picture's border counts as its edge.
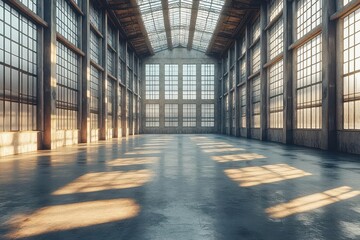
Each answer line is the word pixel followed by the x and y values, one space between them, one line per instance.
pixel 180 187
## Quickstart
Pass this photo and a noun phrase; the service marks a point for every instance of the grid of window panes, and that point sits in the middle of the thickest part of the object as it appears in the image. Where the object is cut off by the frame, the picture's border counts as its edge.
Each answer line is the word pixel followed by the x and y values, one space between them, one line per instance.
pixel 120 95
pixel 207 115
pixel 67 88
pixel 171 115
pixel 255 31
pixel 31 4
pixel 232 78
pixel 227 111
pixel 242 70
pixel 276 39
pixel 152 75
pixel 207 81
pixel 189 115
pixel 95 47
pixel 233 112
pixel 18 74
pixel 152 115
pixel 276 6
pixel 67 23
pixel 110 94
pixel 171 81
pixel 189 81
pixel 95 16
pixel 255 58
pixel 309 84
pixel 111 36
pixel 276 85
pixel 243 106
pixel 255 102
pixel 95 77
pixel 308 16
pixel 226 83
pixel 111 62
pixel 351 70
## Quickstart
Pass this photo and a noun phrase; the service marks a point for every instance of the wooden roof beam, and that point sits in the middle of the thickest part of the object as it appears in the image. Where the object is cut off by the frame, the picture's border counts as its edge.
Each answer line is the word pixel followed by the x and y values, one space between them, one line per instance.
pixel 165 6
pixel 194 12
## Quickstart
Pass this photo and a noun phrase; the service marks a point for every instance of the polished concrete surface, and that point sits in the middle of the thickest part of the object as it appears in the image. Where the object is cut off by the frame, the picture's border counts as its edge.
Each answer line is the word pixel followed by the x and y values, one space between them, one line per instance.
pixel 180 187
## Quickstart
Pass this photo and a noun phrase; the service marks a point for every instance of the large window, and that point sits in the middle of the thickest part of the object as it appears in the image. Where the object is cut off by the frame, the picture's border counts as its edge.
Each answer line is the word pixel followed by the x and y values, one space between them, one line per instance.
pixel 152 115
pixel 207 115
pixel 152 74
pixel 309 84
pixel 207 81
pixel 171 81
pixel 243 106
pixel 189 115
pixel 255 103
pixel 351 70
pixel 308 16
pixel 67 23
pixel 67 101
pixel 227 111
pixel 189 81
pixel 171 115
pixel 275 71
pixel 276 83
pixel 95 78
pixel 18 71
pixel 276 39
pixel 110 94
pixel 255 58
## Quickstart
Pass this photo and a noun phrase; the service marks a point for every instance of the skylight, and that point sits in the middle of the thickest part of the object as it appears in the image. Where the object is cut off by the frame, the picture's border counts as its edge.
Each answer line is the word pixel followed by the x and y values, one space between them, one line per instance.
pixel 180 15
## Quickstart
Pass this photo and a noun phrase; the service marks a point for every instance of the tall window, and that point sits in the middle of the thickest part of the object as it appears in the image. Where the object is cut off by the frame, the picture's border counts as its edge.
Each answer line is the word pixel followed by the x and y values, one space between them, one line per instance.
pixel 171 115
pixel 189 115
pixel 95 77
pixel 171 81
pixel 110 94
pixel 255 103
pixel 351 70
pixel 276 82
pixel 207 115
pixel 255 58
pixel 18 70
pixel 152 115
pixel 67 21
pixel 233 112
pixel 152 74
pixel 67 88
pixel 189 81
pixel 275 71
pixel 227 111
pixel 207 81
pixel 111 51
pixel 243 106
pixel 309 84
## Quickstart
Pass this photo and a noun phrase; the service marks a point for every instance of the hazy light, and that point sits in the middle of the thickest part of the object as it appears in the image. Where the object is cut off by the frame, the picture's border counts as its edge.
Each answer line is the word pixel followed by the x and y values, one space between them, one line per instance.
pixel 252 176
pixel 71 216
pixel 311 202
pixel 101 181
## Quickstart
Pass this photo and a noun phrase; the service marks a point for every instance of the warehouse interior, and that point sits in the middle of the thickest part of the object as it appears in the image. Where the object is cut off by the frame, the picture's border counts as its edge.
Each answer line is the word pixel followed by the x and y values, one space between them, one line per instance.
pixel 180 119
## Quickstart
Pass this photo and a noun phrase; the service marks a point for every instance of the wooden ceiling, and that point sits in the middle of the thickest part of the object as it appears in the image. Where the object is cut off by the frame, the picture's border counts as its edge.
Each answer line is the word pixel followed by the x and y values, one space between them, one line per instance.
pixel 231 21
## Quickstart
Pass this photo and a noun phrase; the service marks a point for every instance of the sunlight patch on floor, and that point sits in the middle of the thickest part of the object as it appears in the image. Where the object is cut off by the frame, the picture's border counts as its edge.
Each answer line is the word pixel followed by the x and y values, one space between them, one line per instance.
pixel 311 202
pixel 238 157
pixel 132 161
pixel 71 216
pixel 101 181
pixel 217 150
pixel 253 176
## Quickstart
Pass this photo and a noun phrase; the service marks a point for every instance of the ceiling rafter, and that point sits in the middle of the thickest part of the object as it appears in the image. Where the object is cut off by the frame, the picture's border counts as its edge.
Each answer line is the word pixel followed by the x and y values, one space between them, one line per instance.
pixel 165 6
pixel 194 12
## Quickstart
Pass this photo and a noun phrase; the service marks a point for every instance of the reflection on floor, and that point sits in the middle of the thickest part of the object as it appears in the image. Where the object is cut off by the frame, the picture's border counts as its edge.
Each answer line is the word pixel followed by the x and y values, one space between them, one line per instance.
pixel 209 187
pixel 311 202
pixel 101 181
pixel 252 176
pixel 70 216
